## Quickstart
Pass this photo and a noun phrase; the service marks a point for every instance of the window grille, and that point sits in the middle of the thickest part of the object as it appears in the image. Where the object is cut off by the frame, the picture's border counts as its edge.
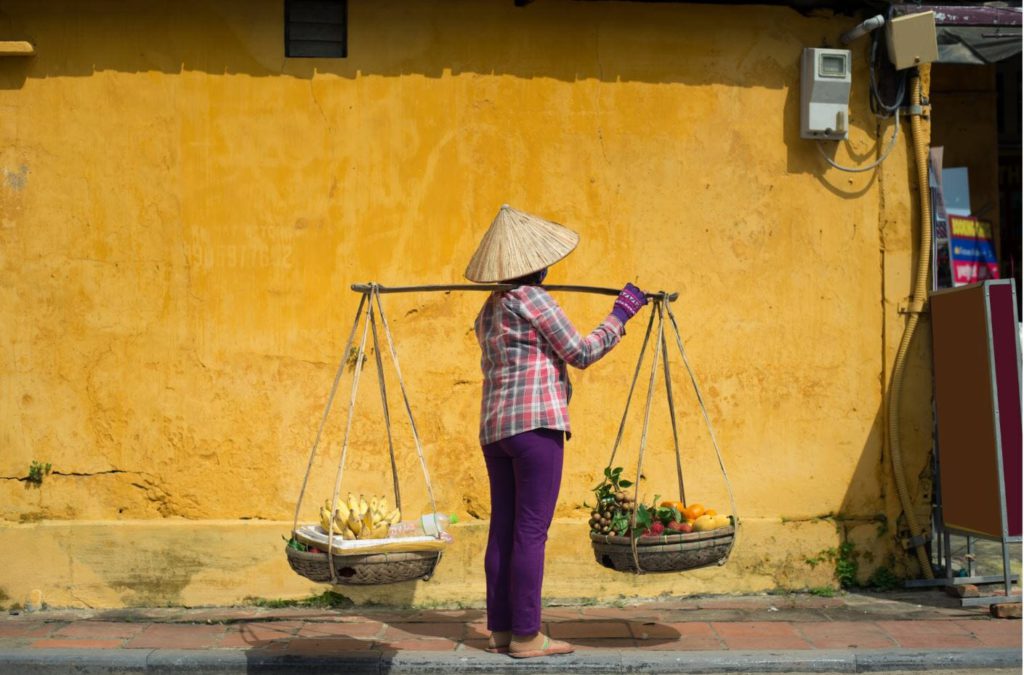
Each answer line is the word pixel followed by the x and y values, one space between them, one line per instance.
pixel 316 29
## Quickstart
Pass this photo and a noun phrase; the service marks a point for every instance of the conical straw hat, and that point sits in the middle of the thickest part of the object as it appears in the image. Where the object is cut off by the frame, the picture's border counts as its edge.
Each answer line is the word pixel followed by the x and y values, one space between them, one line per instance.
pixel 518 244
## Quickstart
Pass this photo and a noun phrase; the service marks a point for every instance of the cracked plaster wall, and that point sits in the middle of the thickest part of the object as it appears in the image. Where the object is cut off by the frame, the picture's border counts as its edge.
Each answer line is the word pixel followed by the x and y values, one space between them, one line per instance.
pixel 182 212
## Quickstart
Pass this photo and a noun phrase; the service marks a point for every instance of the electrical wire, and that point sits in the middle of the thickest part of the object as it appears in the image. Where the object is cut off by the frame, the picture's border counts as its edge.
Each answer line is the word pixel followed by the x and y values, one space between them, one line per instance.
pixel 872 165
pixel 876 97
pixel 879 107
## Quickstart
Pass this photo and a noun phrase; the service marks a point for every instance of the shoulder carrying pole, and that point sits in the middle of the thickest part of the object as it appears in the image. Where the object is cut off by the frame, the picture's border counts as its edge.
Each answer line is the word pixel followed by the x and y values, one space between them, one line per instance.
pixel 598 290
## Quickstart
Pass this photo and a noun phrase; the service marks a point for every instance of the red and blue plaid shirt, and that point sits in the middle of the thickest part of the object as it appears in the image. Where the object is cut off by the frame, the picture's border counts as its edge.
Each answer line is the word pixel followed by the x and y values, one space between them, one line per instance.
pixel 526 341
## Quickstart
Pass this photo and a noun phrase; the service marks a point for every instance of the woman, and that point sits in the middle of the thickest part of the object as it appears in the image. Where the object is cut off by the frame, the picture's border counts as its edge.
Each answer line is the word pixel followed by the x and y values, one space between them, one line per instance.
pixel 526 342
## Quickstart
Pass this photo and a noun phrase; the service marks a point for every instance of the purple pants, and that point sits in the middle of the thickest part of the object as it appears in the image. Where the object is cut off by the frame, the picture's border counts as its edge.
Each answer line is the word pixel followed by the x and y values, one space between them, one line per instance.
pixel 525 472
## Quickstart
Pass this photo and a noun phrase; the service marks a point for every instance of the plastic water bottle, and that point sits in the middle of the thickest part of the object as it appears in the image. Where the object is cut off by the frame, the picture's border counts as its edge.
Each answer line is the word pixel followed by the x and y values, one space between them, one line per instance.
pixel 429 524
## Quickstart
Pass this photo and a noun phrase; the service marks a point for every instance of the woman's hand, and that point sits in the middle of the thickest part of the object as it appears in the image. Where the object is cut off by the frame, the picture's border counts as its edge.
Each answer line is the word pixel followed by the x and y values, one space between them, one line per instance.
pixel 629 302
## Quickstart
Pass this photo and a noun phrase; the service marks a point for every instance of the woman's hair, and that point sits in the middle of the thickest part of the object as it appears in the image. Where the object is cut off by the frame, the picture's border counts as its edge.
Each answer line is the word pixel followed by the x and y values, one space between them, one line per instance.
pixel 533 279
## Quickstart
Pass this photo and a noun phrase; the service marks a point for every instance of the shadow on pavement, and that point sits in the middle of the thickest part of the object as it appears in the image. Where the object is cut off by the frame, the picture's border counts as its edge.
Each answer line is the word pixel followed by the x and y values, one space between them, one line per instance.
pixel 387 637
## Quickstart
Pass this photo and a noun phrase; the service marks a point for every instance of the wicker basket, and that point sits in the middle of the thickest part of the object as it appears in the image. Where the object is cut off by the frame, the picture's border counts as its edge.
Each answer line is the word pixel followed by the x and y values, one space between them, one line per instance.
pixel 365 570
pixel 667 553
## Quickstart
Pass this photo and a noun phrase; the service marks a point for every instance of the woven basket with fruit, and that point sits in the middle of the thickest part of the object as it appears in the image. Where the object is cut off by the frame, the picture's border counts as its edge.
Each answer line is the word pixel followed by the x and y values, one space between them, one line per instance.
pixel 628 535
pixel 369 545
pixel 364 541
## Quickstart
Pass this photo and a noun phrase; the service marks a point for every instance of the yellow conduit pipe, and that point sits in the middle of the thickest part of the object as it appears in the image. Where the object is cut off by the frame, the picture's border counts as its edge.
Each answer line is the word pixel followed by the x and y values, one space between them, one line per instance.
pixel 917 304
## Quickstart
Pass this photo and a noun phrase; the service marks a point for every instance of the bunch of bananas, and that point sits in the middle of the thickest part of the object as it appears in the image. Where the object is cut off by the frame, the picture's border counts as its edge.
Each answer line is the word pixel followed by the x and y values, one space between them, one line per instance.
pixel 358 518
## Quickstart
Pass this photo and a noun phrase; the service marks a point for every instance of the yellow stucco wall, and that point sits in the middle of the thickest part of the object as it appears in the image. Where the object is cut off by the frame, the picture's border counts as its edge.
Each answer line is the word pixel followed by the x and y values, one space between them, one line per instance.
pixel 182 211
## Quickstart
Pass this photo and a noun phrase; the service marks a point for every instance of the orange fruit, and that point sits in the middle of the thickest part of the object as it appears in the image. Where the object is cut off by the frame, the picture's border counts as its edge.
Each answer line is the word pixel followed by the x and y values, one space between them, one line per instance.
pixel 711 512
pixel 693 511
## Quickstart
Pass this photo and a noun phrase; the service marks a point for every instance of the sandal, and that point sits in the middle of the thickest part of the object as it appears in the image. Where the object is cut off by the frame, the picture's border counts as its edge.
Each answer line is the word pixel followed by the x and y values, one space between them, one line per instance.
pixel 549 648
pixel 495 648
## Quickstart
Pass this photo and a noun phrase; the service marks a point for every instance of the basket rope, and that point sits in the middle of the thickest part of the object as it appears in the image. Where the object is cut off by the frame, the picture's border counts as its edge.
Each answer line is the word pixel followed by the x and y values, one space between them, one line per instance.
pixel 632 387
pixel 672 408
pixel 643 440
pixel 327 409
pixel 386 411
pixel 344 443
pixel 711 430
pixel 405 399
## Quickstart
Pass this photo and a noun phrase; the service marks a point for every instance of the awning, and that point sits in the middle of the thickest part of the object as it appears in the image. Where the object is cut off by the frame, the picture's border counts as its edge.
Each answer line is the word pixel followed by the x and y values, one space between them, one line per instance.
pixel 973 34
pixel 977 44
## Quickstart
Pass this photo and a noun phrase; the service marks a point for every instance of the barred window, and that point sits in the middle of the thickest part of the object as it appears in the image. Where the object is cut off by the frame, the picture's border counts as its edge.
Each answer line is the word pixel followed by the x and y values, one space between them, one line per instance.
pixel 316 28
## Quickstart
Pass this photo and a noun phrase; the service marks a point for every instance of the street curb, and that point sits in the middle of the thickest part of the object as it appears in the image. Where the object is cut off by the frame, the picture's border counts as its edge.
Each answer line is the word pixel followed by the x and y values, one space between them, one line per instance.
pixel 111 661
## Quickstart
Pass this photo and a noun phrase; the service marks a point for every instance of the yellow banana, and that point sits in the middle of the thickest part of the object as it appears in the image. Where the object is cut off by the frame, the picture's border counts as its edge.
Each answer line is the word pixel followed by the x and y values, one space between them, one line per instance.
pixel 340 524
pixel 354 524
pixel 357 518
pixel 342 508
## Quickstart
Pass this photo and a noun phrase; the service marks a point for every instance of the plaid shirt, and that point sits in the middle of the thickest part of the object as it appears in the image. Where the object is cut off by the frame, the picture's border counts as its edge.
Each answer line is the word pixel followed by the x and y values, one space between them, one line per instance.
pixel 526 341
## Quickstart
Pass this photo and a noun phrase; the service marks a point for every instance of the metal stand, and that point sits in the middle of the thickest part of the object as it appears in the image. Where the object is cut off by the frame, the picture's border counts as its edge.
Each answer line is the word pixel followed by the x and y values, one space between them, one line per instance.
pixel 1007 579
pixel 944 554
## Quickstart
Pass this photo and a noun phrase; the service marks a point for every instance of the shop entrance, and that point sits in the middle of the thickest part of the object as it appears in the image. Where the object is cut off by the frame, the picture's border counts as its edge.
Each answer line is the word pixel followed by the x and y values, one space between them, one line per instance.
pixel 976 120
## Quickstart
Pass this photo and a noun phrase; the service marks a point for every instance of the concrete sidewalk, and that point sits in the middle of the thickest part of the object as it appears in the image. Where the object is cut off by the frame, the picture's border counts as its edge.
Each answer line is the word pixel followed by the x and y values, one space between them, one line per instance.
pixel 766 633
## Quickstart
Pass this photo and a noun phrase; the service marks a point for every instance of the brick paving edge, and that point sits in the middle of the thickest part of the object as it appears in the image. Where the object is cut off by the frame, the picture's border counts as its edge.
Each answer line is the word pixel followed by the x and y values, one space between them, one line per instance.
pixel 40 662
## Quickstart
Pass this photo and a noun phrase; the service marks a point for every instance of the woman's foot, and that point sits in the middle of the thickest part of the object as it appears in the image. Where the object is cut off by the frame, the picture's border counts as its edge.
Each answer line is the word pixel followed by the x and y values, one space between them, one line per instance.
pixel 498 642
pixel 538 644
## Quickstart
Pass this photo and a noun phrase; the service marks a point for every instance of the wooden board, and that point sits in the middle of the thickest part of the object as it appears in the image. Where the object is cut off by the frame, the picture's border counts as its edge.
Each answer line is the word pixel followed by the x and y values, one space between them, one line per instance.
pixel 970 433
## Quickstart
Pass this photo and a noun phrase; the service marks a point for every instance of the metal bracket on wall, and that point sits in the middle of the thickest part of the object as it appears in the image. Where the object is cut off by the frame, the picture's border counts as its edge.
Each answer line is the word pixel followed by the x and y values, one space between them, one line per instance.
pixel 923 111
pixel 909 306
pixel 919 540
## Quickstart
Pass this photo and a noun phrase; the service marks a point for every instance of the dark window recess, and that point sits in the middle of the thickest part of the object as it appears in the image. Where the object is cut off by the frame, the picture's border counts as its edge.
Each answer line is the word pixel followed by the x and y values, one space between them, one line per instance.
pixel 316 28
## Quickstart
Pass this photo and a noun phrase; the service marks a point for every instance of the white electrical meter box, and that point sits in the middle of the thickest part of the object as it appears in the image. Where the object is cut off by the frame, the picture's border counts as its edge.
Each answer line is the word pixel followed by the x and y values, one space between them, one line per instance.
pixel 825 94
